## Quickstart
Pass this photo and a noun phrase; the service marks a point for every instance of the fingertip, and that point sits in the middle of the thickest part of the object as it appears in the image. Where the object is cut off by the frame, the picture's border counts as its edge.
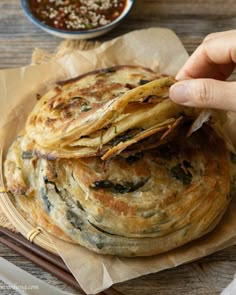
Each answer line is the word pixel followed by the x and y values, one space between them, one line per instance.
pixel 179 93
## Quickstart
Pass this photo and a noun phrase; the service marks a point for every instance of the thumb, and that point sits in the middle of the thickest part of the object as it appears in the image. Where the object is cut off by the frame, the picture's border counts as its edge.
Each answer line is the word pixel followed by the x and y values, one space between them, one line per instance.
pixel 205 93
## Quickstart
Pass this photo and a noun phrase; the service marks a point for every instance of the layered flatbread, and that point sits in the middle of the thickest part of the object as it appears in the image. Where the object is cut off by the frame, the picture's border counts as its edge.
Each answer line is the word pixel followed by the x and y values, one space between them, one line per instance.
pixel 143 204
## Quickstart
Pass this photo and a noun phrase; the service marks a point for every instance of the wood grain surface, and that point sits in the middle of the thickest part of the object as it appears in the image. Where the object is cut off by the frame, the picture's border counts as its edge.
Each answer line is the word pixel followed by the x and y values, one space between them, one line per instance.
pixel 192 20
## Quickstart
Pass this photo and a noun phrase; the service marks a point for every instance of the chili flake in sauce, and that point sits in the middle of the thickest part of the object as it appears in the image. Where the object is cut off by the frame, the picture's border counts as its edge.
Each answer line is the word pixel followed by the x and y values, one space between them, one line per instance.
pixel 76 14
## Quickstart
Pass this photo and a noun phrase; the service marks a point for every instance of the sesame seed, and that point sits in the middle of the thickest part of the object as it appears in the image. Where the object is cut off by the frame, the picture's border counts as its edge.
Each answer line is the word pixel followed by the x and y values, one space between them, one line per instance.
pixel 80 14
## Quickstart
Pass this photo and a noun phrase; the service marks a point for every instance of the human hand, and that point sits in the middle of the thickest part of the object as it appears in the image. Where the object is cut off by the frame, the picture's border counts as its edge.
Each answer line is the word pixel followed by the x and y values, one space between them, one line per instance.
pixel 202 78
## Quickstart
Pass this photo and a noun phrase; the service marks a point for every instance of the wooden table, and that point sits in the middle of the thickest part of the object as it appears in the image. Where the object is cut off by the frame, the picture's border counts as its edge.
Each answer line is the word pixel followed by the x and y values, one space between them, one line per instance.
pixel 191 20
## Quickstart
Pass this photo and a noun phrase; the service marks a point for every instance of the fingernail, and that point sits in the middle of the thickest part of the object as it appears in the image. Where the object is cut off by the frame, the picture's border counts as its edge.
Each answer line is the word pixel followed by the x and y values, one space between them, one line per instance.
pixel 180 77
pixel 179 93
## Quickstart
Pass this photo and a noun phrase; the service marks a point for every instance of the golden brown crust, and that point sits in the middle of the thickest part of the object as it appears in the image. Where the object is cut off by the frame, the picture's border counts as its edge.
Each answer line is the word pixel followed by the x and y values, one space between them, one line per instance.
pixel 104 71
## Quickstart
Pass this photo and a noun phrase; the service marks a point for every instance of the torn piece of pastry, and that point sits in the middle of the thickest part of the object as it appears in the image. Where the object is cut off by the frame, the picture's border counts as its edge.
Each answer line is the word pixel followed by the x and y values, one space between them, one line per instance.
pixel 85 104
pixel 95 111
pixel 108 161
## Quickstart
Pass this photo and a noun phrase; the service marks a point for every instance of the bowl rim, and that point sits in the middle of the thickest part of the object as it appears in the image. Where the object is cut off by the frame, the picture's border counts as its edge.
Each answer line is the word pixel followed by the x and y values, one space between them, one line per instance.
pixel 36 21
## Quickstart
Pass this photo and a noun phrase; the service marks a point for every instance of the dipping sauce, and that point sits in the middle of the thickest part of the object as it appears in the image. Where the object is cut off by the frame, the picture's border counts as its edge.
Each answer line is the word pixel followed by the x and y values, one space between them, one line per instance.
pixel 74 15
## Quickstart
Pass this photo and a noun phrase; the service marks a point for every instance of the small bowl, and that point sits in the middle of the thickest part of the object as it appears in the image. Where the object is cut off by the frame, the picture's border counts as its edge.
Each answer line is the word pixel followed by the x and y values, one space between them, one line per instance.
pixel 79 34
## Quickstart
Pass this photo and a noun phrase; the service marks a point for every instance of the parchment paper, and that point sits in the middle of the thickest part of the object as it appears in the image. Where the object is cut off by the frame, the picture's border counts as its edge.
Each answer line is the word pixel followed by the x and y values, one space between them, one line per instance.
pixel 157 48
